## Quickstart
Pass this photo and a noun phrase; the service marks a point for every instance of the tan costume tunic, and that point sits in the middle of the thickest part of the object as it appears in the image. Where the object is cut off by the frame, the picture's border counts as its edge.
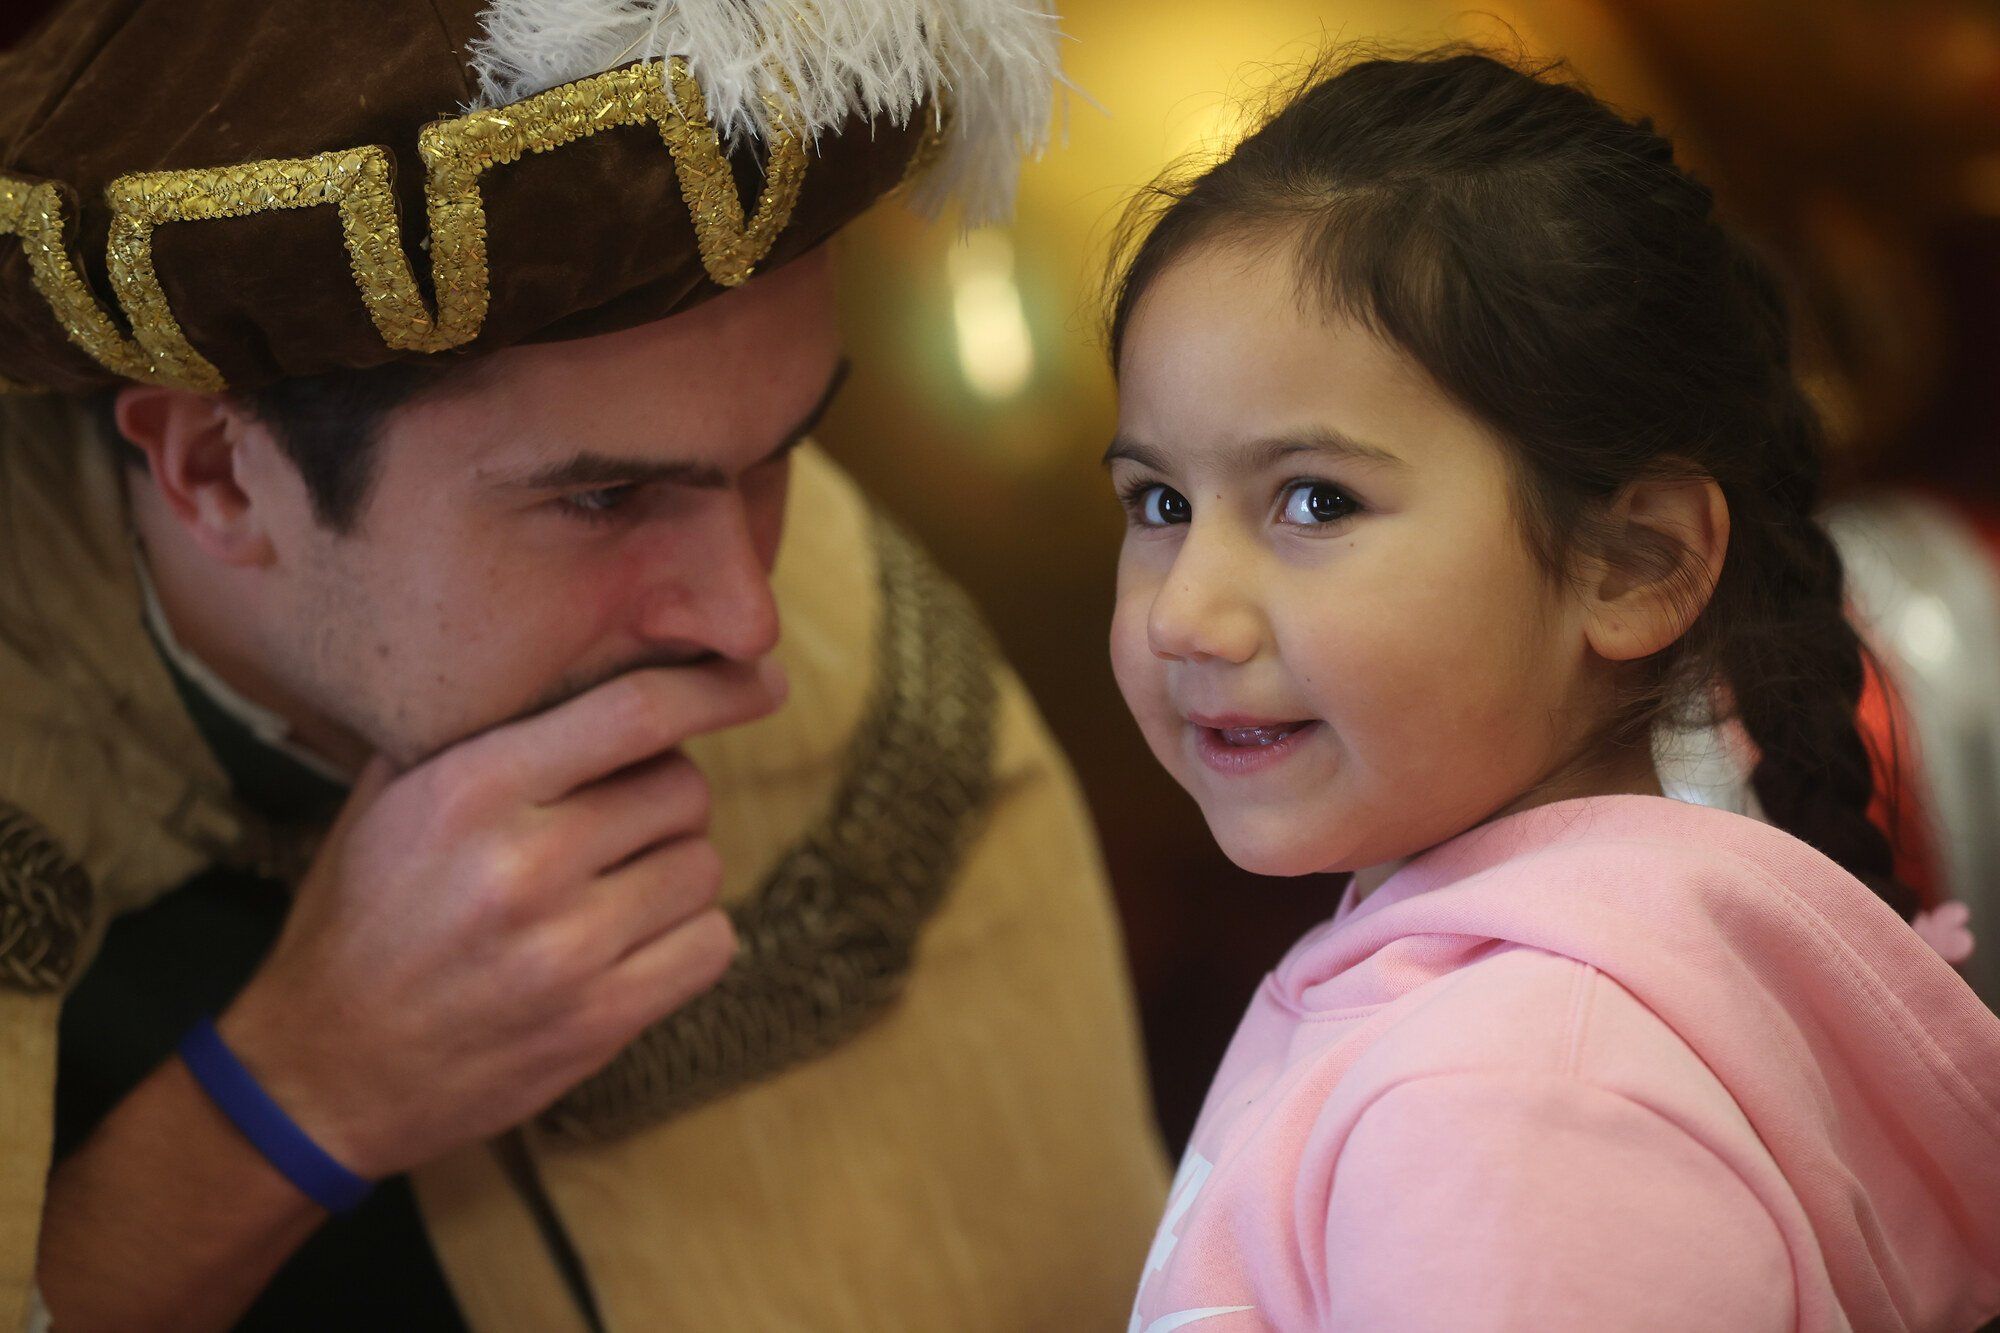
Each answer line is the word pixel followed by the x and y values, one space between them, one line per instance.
pixel 916 1103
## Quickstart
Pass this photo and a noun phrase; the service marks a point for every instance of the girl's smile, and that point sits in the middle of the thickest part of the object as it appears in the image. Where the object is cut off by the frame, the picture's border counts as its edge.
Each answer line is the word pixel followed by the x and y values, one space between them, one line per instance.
pixel 1235 748
pixel 1330 625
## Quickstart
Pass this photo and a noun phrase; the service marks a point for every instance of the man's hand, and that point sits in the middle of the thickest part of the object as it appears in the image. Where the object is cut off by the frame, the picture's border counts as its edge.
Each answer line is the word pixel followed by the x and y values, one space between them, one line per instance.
pixel 489 928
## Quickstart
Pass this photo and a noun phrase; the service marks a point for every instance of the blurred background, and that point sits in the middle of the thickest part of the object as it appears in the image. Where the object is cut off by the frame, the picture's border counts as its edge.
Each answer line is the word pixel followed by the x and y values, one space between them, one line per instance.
pixel 1859 138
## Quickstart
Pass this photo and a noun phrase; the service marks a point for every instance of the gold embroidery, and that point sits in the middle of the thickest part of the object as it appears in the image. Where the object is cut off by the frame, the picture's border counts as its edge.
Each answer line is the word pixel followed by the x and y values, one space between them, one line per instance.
pixel 358 181
pixel 34 213
pixel 729 249
pixel 456 152
pixel 141 201
pixel 45 907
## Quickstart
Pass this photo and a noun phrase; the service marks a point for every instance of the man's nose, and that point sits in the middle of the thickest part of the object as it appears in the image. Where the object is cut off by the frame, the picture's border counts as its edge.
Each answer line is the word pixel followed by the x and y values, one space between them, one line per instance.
pixel 714 589
pixel 1205 608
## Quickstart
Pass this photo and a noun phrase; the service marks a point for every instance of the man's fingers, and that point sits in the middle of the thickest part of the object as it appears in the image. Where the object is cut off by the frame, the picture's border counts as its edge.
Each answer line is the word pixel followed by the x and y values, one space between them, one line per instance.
pixel 651 802
pixel 651 895
pixel 631 718
pixel 667 972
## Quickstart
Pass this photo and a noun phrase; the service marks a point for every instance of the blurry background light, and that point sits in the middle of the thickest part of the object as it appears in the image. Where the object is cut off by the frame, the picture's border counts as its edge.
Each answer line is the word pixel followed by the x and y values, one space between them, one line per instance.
pixel 996 353
pixel 1924 629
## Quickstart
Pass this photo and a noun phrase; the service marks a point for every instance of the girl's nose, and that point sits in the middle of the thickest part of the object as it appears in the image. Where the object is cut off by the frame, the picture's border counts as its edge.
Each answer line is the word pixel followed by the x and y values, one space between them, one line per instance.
pixel 1205 609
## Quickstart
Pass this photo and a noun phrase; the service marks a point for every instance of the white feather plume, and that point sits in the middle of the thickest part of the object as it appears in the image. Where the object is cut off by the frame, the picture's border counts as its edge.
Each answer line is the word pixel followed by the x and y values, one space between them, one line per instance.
pixel 994 61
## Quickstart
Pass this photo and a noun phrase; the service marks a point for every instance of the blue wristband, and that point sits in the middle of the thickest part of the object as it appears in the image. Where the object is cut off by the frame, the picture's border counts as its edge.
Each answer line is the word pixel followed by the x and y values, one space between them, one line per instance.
pixel 287 1147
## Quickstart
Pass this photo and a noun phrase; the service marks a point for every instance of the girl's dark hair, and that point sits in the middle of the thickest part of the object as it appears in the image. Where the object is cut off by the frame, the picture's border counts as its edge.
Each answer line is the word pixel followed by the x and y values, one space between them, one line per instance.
pixel 1554 271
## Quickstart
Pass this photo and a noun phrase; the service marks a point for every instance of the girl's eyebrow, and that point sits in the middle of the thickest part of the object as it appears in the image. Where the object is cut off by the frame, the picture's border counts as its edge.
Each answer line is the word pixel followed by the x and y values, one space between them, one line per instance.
pixel 1323 440
pixel 1257 455
pixel 1143 455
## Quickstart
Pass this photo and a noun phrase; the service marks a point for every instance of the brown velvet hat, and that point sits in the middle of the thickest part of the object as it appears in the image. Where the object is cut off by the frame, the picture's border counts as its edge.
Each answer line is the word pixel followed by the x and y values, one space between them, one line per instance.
pixel 223 193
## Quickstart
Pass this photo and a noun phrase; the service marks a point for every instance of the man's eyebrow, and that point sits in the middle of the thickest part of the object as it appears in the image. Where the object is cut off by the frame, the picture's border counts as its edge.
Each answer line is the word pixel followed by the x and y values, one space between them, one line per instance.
pixel 1322 441
pixel 588 469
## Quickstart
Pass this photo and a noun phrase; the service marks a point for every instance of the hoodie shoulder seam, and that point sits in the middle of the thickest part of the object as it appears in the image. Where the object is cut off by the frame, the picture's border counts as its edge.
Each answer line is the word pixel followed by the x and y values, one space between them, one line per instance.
pixel 1969 1097
pixel 1962 1090
pixel 1568 1079
pixel 1583 994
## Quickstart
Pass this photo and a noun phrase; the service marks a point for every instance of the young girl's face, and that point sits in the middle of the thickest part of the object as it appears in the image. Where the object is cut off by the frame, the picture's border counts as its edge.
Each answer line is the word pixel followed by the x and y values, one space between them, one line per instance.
pixel 1329 625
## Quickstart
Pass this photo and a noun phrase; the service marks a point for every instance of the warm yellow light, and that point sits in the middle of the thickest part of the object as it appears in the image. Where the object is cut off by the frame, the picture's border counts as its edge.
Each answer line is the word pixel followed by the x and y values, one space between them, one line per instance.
pixel 1204 133
pixel 995 351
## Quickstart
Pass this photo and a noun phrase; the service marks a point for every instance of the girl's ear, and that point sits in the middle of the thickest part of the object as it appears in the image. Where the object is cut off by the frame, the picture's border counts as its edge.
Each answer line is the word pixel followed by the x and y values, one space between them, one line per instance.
pixel 1664 554
pixel 193 446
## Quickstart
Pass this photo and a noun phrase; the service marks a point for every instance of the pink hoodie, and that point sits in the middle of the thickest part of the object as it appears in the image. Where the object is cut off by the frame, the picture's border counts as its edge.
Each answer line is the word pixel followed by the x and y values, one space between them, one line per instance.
pixel 1611 1064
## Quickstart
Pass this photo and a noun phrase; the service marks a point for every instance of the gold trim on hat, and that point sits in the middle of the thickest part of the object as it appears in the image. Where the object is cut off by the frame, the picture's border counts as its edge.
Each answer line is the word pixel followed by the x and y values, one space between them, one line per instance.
pixel 33 211
pixel 358 181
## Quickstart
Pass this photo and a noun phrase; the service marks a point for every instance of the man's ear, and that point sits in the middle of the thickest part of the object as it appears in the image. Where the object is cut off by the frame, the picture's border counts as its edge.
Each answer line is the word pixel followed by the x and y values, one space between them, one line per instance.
pixel 194 443
pixel 1666 544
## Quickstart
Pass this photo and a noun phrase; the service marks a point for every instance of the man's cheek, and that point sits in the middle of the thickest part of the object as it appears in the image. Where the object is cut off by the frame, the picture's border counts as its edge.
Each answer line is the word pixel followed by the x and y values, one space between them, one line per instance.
pixel 554 614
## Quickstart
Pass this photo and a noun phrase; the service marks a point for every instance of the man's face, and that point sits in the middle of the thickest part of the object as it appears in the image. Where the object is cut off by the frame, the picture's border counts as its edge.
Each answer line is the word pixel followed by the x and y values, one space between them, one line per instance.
pixel 569 512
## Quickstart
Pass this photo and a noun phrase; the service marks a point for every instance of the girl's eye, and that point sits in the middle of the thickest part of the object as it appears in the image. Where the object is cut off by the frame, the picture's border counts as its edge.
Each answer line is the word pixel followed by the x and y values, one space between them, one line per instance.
pixel 598 506
pixel 1314 502
pixel 1157 506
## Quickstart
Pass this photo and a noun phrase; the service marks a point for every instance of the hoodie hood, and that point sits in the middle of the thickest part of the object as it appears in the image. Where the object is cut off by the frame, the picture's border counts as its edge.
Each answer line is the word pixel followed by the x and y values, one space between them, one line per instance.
pixel 1868 1068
